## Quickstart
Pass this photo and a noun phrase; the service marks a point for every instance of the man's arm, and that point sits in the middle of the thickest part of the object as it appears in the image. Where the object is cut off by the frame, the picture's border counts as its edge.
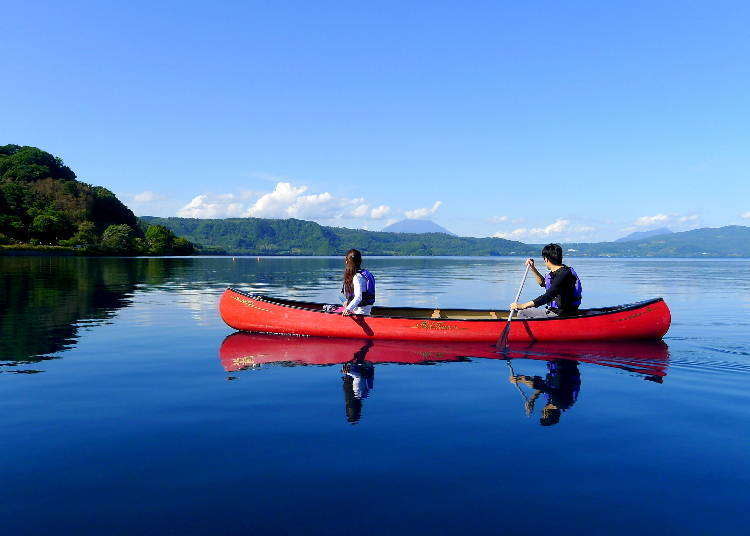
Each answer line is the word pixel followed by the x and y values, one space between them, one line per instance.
pixel 532 267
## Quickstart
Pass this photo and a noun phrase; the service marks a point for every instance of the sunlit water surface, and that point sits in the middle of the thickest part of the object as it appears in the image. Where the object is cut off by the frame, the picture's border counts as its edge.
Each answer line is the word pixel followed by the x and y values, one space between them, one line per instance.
pixel 123 415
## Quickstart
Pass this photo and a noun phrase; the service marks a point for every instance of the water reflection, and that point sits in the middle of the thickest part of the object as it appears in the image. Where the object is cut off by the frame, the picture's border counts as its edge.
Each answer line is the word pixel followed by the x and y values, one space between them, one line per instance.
pixel 559 388
pixel 45 301
pixel 358 380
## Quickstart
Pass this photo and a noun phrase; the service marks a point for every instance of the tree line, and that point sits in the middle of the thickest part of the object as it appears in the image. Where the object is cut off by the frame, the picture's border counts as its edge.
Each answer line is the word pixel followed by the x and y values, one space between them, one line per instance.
pixel 43 204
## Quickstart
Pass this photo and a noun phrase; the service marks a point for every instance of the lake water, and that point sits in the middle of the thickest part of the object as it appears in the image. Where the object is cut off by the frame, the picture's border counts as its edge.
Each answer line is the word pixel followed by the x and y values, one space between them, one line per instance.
pixel 128 410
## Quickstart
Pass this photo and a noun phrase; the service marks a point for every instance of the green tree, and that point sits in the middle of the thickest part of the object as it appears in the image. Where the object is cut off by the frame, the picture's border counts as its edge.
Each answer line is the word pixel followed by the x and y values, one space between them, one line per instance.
pixel 49 226
pixel 118 239
pixel 159 240
pixel 85 236
pixel 181 246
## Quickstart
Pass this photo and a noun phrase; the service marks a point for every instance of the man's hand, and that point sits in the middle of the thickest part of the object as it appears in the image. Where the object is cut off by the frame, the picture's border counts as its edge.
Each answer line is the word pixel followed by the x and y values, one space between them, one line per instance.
pixel 515 306
pixel 530 263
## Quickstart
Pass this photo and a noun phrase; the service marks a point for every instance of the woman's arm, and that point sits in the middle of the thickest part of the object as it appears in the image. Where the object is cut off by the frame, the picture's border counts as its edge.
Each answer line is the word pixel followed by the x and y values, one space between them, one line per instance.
pixel 357 283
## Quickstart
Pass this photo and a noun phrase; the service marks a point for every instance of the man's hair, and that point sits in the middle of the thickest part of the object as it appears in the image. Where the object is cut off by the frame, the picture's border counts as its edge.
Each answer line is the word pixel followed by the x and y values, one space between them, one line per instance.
pixel 550 417
pixel 553 253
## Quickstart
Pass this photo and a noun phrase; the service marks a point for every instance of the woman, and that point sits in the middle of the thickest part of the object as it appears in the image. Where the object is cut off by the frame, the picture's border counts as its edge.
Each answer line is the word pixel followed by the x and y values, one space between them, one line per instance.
pixel 359 286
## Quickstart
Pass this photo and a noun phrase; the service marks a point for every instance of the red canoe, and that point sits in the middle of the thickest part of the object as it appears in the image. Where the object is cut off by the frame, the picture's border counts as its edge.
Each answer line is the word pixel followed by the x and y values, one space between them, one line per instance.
pixel 247 312
pixel 241 351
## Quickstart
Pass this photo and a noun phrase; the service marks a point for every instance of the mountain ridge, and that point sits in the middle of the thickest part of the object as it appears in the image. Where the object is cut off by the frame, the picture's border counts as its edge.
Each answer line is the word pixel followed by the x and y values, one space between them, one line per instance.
pixel 259 236
pixel 639 235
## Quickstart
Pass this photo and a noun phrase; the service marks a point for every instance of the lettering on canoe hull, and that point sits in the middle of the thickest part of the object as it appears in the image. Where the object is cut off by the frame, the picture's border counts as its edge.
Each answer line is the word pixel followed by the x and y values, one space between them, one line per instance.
pixel 634 315
pixel 244 362
pixel 249 303
pixel 440 326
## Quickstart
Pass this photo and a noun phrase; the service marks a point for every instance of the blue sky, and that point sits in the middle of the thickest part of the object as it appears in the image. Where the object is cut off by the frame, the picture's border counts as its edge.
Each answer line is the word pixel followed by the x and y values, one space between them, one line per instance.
pixel 532 120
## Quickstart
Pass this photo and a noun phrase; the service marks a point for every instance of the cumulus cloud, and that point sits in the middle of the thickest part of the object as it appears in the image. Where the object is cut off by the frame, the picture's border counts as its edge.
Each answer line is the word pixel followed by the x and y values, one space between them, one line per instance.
pixel 665 219
pixel 360 211
pixel 645 221
pixel 205 206
pixel 378 213
pixel 289 201
pixel 286 200
pixel 276 203
pixel 558 227
pixel 147 196
pixel 419 213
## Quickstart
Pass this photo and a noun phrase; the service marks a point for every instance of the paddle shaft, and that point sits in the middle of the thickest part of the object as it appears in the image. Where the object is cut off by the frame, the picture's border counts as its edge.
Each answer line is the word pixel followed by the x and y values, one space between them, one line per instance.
pixel 502 342
pixel 518 295
pixel 520 289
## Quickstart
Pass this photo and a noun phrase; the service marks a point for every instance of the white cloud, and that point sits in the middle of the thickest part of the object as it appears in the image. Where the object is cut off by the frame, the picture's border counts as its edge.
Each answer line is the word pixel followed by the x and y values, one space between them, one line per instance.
pixel 290 201
pixel 745 216
pixel 499 219
pixel 286 200
pixel 666 219
pixel 360 211
pixel 205 206
pixel 645 221
pixel 147 196
pixel 380 212
pixel 275 204
pixel 557 228
pixel 419 213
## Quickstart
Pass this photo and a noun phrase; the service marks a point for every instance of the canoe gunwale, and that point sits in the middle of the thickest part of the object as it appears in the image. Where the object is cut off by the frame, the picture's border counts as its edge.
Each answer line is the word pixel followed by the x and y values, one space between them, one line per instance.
pixel 314 307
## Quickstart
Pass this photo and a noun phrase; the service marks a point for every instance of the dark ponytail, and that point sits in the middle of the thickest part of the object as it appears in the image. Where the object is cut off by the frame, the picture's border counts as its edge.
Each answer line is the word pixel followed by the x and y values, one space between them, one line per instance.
pixel 353 262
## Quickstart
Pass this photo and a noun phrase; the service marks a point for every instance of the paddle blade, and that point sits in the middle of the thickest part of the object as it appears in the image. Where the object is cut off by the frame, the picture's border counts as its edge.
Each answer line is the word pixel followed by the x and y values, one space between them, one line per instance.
pixel 502 342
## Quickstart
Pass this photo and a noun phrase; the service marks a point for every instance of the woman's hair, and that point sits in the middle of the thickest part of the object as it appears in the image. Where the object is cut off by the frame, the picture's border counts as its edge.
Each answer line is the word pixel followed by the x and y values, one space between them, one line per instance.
pixel 353 260
pixel 553 253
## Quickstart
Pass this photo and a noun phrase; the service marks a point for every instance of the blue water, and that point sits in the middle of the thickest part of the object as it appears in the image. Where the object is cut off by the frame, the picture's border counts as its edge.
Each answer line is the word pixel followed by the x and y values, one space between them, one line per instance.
pixel 120 416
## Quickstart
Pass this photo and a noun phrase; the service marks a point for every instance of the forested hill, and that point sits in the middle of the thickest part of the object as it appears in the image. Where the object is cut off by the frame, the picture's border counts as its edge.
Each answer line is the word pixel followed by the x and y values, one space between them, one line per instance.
pixel 729 241
pixel 258 236
pixel 43 205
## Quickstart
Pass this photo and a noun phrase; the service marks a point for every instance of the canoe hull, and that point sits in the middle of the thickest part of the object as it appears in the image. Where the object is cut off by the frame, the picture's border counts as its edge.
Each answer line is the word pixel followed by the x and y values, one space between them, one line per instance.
pixel 245 312
pixel 241 351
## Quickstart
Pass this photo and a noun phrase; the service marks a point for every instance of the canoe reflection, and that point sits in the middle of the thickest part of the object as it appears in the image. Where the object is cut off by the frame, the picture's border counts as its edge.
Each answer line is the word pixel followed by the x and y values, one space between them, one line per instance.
pixel 559 387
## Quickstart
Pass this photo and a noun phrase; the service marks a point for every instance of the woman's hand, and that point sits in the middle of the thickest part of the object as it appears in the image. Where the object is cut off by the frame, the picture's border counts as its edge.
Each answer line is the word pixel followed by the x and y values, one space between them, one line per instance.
pixel 346 312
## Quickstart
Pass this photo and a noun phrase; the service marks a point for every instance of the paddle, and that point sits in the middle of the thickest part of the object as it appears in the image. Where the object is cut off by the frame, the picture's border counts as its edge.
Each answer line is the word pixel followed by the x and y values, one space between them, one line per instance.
pixel 502 342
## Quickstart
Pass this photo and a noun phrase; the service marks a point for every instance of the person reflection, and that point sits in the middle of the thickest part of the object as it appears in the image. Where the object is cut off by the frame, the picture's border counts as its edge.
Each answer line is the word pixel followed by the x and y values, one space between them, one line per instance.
pixel 560 386
pixel 358 379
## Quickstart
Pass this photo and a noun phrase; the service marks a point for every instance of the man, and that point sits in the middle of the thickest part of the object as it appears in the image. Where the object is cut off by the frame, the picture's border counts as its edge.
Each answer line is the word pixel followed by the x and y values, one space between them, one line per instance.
pixel 563 294
pixel 561 386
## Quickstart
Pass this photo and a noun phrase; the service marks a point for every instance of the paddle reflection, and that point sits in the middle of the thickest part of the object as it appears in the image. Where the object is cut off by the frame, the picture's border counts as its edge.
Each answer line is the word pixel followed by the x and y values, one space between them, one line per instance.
pixel 558 388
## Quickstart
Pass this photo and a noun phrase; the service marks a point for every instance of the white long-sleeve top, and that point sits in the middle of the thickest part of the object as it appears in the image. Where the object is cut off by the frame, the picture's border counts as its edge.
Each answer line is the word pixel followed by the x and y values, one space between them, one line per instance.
pixel 358 282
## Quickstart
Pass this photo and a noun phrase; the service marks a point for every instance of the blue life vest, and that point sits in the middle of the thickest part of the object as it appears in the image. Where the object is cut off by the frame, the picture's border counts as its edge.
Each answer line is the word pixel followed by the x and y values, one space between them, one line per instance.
pixel 368 293
pixel 577 290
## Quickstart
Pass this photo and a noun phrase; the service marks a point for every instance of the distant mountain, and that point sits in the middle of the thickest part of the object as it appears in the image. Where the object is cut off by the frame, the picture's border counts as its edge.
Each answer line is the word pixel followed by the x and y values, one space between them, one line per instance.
pixel 417 227
pixel 640 235
pixel 729 241
pixel 259 236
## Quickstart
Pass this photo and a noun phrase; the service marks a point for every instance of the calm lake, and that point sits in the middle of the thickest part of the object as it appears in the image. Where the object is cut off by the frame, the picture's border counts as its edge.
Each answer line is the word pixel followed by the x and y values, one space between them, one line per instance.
pixel 128 410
